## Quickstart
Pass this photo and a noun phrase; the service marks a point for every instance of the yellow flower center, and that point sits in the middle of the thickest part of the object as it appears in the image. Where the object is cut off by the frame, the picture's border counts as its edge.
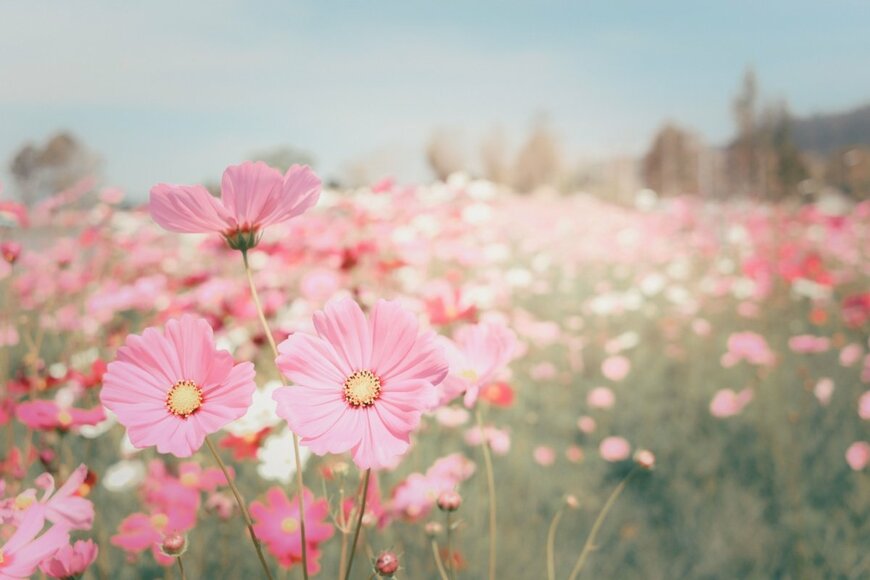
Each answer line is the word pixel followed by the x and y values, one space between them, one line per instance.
pixel 160 521
pixel 289 525
pixel 183 399
pixel 189 480
pixel 64 418
pixel 362 389
pixel 22 502
pixel 469 375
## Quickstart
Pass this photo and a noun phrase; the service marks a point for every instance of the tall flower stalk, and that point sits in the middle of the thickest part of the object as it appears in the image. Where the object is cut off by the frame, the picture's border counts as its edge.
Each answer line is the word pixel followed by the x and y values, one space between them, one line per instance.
pixel 297 458
pixel 242 506
pixel 596 526
pixel 490 484
pixel 359 519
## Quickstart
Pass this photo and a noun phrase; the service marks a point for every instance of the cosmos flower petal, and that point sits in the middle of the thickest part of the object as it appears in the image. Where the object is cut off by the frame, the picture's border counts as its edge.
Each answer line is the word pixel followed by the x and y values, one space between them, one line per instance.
pixel 343 325
pixel 188 209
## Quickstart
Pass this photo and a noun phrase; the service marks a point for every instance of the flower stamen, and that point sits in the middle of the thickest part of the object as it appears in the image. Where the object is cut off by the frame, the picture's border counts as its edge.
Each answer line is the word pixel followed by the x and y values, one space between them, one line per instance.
pixel 184 398
pixel 362 389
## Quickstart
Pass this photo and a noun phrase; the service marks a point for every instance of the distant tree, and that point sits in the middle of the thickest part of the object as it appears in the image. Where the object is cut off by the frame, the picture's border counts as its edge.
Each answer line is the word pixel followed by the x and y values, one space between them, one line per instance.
pixel 494 157
pixel 671 166
pixel 443 154
pixel 284 157
pixel 784 166
pixel 538 161
pixel 849 170
pixel 744 158
pixel 62 162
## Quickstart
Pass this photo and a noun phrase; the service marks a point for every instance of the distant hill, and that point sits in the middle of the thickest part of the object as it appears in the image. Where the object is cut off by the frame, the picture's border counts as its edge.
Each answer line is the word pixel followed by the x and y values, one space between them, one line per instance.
pixel 827 133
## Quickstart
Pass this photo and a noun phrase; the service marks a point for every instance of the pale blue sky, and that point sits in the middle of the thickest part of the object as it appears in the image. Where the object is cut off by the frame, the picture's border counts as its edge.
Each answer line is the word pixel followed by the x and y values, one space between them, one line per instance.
pixel 174 91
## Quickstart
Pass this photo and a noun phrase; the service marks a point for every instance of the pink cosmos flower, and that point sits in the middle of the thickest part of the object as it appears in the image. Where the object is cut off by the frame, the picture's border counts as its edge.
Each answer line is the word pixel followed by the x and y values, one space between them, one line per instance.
pixel 499 440
pixel 414 498
pixel 361 385
pixel 823 391
pixel 171 389
pixel 858 455
pixel 24 551
pixel 66 506
pixel 544 455
pixel 747 346
pixel 614 449
pixel 615 368
pixel 727 403
pixel 46 415
pixel 850 354
pixel 864 406
pixel 71 560
pixel 809 344
pixel 139 532
pixel 476 354
pixel 253 196
pixel 601 398
pixel 277 525
pixel 586 424
pixel 574 453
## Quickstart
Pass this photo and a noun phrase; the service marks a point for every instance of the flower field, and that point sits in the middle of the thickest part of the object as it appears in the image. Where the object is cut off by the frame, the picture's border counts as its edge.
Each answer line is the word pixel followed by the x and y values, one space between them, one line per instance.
pixel 478 384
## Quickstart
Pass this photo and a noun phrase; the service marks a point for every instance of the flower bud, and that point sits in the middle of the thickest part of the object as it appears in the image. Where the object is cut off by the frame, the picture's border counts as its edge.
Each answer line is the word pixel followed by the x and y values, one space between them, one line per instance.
pixel 433 529
pixel 571 502
pixel 174 545
pixel 387 564
pixel 645 459
pixel 10 251
pixel 449 501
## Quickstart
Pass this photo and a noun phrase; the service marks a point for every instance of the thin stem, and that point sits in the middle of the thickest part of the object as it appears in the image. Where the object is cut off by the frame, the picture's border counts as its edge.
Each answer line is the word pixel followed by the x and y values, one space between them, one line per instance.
pixel 256 297
pixel 342 562
pixel 359 519
pixel 551 540
pixel 490 482
pixel 247 516
pixel 450 559
pixel 180 568
pixel 590 541
pixel 300 486
pixel 438 561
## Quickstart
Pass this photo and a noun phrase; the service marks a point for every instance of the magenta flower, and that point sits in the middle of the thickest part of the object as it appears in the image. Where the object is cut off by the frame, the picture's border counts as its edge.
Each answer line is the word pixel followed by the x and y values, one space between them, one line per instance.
pixel 65 506
pixel 24 551
pixel 171 389
pixel 277 525
pixel 361 385
pixel 71 560
pixel 253 196
pixel 47 415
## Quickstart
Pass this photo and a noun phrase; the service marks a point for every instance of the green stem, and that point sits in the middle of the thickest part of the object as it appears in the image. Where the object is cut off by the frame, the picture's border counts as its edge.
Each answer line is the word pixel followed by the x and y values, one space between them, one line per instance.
pixel 300 487
pixel 438 561
pixel 450 558
pixel 247 516
pixel 490 482
pixel 551 540
pixel 359 519
pixel 180 568
pixel 590 541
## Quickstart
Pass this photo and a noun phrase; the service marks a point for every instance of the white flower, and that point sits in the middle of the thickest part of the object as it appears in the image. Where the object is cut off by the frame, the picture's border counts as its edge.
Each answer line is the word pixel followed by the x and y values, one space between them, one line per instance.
pixel 124 475
pixel 277 461
pixel 260 414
